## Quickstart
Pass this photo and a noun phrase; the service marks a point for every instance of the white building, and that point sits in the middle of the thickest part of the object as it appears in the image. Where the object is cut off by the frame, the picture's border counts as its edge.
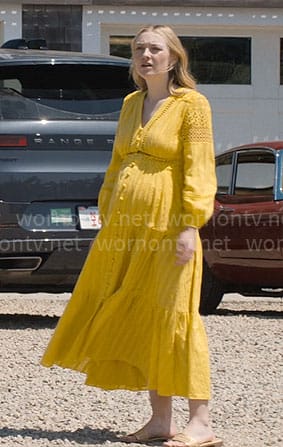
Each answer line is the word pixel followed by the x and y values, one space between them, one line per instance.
pixel 237 49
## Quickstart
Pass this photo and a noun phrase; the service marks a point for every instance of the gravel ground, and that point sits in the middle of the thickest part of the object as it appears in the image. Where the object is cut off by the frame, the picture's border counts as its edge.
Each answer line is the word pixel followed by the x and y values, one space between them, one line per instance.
pixel 53 407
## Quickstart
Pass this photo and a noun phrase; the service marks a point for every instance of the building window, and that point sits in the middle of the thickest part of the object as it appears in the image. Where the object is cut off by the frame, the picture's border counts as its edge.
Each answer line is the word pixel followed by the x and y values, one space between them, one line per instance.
pixel 121 46
pixel 219 60
pixel 213 60
pixel 281 61
pixel 60 26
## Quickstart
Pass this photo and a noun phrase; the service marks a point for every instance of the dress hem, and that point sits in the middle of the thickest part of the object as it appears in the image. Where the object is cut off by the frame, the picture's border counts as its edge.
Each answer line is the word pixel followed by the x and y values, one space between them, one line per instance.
pixel 115 387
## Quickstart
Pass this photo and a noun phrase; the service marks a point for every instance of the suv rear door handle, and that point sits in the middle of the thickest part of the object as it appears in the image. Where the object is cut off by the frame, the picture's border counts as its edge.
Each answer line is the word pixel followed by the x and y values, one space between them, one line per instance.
pixel 226 209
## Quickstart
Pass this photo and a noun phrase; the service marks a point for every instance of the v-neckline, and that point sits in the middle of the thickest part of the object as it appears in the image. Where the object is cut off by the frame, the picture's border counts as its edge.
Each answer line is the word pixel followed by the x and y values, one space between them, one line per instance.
pixel 155 115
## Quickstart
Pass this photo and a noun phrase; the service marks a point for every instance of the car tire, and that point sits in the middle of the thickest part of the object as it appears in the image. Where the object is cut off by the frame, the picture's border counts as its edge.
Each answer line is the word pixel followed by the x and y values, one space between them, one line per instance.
pixel 212 291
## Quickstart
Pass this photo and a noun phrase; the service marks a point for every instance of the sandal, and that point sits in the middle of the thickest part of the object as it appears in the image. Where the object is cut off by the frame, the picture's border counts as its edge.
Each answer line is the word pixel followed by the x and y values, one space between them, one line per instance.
pixel 140 437
pixel 190 442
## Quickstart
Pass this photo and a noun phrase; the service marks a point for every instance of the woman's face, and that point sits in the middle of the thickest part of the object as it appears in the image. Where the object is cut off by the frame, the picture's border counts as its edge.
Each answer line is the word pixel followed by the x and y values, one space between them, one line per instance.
pixel 151 55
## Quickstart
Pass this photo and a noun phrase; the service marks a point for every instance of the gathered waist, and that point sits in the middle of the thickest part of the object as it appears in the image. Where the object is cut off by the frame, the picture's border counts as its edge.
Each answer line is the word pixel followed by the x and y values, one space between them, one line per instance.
pixel 136 157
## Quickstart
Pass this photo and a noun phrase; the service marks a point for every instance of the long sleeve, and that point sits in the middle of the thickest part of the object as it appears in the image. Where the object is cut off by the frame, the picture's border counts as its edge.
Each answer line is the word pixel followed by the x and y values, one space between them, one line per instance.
pixel 199 163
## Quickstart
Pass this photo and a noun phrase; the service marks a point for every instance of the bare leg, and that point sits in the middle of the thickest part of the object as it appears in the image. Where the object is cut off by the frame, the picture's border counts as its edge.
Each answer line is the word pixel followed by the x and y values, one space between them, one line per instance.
pixel 161 424
pixel 162 414
pixel 199 427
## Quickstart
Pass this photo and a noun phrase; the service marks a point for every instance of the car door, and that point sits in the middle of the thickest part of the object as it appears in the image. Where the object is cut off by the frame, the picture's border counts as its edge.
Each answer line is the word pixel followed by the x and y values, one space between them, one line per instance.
pixel 249 220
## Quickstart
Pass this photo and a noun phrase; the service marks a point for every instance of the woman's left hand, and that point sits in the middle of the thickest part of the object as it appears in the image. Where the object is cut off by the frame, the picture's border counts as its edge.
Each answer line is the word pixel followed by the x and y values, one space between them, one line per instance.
pixel 186 245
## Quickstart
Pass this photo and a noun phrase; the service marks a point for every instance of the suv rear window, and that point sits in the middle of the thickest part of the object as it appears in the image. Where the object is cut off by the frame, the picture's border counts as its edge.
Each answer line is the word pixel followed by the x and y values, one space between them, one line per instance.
pixel 63 91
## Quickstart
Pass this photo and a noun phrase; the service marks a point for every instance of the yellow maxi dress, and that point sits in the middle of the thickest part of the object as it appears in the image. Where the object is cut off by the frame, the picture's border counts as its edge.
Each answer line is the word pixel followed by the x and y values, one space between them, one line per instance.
pixel 132 321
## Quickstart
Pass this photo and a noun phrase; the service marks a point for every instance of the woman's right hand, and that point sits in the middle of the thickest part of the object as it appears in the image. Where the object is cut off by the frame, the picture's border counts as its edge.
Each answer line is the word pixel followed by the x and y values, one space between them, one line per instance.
pixel 186 246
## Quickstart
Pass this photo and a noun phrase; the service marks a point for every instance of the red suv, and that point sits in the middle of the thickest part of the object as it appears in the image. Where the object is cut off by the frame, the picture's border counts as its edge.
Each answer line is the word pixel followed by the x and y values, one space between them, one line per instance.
pixel 243 241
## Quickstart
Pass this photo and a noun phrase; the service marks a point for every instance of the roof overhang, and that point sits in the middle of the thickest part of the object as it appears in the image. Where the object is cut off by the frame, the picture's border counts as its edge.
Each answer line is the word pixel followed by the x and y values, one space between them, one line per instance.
pixel 195 3
pixel 164 3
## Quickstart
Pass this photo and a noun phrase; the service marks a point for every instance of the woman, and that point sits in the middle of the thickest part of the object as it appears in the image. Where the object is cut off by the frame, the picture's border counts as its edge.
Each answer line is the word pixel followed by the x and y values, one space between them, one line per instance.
pixel 133 322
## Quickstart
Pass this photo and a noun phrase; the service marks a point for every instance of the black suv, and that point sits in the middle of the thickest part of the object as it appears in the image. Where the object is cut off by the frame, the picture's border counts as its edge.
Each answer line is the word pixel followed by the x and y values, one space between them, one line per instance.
pixel 58 116
pixel 25 44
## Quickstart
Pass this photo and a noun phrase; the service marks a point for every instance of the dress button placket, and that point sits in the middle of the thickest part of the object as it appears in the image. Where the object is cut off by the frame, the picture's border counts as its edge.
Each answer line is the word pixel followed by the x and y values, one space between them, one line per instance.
pixel 138 139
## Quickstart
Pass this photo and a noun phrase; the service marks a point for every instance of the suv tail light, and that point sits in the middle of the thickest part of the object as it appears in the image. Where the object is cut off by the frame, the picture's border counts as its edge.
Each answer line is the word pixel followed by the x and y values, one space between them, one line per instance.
pixel 13 141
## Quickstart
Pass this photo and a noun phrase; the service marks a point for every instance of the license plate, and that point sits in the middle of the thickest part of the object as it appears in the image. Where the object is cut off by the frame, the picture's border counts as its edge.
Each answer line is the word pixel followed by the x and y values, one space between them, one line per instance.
pixel 61 216
pixel 89 218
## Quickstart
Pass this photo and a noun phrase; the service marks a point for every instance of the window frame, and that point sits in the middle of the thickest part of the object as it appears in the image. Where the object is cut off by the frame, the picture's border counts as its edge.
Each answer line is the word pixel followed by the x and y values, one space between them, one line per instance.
pixel 279 175
pixel 219 158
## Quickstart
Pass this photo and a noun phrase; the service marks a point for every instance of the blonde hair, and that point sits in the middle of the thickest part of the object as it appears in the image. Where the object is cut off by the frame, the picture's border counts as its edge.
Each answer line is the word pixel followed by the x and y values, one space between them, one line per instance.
pixel 179 75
